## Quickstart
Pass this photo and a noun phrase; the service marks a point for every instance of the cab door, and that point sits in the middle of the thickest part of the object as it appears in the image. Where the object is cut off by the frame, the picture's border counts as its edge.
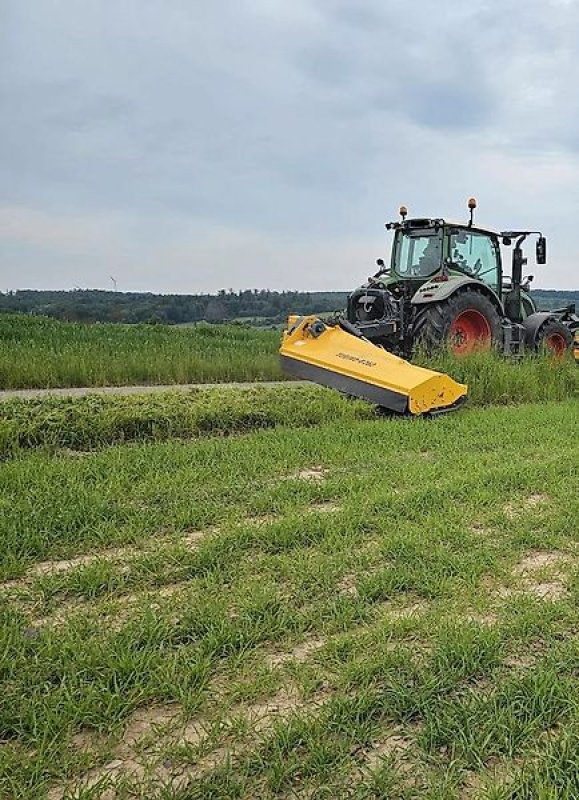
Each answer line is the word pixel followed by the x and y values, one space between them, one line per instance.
pixel 476 253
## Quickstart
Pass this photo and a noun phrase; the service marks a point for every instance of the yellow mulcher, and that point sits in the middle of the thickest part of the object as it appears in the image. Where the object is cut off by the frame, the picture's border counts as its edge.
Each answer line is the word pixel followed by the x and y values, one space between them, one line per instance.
pixel 338 357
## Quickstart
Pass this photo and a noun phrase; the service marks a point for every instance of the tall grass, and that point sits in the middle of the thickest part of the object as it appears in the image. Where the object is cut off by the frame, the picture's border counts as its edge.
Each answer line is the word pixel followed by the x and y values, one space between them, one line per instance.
pixel 42 353
pixel 81 423
pixel 495 380
pixel 37 352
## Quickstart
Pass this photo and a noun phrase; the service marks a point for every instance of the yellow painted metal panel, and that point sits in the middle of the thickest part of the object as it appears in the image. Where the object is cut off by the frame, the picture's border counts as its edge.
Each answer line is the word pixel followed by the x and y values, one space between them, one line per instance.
pixel 335 350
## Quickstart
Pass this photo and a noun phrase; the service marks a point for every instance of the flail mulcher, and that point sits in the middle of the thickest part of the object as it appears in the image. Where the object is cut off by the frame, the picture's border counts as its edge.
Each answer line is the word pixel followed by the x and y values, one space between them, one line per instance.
pixel 339 357
pixel 444 287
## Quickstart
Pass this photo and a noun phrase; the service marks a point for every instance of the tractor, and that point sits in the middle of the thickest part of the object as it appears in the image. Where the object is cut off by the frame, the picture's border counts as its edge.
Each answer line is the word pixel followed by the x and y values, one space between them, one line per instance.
pixel 445 286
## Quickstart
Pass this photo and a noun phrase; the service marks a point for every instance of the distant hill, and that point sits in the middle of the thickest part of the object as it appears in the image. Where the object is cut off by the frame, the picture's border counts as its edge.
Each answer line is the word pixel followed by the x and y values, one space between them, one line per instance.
pixel 555 298
pixel 252 305
pixel 90 305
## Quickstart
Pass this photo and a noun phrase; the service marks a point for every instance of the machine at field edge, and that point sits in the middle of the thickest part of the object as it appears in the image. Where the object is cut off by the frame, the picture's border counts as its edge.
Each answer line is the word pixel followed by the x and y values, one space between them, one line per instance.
pixel 444 287
pixel 338 357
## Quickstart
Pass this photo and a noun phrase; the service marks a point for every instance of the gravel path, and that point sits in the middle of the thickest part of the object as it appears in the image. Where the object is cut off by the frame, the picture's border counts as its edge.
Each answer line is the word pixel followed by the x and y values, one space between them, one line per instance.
pixel 175 387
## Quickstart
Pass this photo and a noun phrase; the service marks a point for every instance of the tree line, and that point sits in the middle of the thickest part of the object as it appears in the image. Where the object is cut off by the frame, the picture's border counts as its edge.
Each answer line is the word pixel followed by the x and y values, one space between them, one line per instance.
pixel 88 305
pixel 259 305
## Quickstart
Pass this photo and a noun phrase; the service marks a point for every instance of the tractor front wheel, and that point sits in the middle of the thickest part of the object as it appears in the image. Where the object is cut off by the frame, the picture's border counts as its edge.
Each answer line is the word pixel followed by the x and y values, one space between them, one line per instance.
pixel 467 322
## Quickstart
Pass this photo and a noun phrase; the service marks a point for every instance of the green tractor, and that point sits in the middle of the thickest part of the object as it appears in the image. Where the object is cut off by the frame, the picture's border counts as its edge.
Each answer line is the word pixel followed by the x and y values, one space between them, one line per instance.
pixel 445 287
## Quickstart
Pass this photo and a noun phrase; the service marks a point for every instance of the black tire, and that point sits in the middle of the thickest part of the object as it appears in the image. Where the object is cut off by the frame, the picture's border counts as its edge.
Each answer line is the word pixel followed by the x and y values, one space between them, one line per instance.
pixel 554 337
pixel 434 322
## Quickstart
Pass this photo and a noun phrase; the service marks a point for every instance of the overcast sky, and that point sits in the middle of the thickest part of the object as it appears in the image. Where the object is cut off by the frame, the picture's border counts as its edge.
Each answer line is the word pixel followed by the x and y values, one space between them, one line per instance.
pixel 192 145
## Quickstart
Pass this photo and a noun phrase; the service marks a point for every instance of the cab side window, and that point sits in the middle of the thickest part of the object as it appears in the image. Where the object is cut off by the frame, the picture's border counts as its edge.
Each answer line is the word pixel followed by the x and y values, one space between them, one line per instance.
pixel 477 254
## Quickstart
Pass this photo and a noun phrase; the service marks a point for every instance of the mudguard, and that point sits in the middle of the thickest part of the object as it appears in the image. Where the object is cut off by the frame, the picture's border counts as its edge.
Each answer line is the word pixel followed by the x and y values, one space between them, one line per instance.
pixel 532 325
pixel 437 289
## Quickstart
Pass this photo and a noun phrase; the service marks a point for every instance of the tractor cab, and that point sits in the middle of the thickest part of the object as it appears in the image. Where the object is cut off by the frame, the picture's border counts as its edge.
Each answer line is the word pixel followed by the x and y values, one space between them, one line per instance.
pixel 424 247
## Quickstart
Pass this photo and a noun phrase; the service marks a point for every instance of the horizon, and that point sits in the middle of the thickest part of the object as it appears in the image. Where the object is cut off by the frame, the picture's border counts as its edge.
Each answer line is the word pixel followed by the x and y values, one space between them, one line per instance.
pixel 228 290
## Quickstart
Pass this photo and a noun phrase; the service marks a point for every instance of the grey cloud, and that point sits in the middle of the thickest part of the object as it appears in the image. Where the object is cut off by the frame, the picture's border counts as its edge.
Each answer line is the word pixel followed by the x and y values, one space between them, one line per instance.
pixel 446 105
pixel 301 121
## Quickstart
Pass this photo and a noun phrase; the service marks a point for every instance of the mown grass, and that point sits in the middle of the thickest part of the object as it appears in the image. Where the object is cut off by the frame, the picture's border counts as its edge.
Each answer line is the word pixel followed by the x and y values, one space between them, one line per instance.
pixel 347 610
pixel 82 423
pixel 37 352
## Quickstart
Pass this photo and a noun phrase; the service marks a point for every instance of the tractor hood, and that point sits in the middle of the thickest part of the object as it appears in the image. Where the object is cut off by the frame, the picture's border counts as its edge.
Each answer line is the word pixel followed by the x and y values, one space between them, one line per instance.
pixel 441 287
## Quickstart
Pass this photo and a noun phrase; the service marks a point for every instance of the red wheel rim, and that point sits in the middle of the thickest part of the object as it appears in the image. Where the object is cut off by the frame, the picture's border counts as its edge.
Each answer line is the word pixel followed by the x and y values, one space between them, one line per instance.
pixel 555 343
pixel 470 331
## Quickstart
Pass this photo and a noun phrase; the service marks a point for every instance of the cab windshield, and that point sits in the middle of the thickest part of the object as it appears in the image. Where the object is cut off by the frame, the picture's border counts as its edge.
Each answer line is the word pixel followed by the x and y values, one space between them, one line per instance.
pixel 417 254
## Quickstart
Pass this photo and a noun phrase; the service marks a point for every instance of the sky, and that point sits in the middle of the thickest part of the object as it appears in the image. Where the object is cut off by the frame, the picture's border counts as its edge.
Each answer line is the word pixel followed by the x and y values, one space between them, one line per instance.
pixel 195 145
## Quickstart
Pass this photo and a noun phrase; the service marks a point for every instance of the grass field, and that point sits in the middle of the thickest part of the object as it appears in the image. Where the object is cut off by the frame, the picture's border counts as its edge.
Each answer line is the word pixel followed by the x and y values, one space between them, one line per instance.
pixel 81 423
pixel 37 352
pixel 363 608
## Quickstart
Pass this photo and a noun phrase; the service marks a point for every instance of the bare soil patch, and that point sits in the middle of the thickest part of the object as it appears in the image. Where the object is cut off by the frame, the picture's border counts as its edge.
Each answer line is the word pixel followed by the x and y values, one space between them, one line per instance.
pixel 300 652
pixel 261 519
pixel 325 508
pixel 145 722
pixel 117 555
pixel 552 562
pixel 479 529
pixel 393 746
pixel 540 560
pixel 481 619
pixel 264 714
pixel 315 473
pixel 194 537
pixel 520 660
pixel 154 726
pixel 553 590
pixel 54 567
pixel 348 585
pixel 541 574
pixel 496 771
pixel 88 740
pixel 514 509
pixel 401 612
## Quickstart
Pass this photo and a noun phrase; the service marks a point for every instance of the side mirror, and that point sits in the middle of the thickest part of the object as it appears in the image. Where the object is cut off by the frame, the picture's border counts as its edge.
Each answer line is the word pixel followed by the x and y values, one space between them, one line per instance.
pixel 381 268
pixel 541 251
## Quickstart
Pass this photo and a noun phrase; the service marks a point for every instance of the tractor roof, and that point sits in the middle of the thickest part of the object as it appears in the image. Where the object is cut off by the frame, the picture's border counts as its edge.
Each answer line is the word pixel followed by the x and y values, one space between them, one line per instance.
pixel 416 223
pixel 453 223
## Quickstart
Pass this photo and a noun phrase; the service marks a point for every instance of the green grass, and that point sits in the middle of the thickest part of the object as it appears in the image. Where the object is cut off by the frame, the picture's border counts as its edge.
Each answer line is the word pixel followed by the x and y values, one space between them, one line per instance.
pixel 37 352
pixel 495 380
pixel 365 608
pixel 82 423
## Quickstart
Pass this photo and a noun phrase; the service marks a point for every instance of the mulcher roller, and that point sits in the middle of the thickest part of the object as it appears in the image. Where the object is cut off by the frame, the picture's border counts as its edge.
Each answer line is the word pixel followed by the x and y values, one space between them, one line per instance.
pixel 337 356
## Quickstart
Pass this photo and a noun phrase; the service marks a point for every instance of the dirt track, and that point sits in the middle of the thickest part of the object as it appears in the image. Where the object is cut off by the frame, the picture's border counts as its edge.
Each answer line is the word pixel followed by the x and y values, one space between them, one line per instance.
pixel 79 391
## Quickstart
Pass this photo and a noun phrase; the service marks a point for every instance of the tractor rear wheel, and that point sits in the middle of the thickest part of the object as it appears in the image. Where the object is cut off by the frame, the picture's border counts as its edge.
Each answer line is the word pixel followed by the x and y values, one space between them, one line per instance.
pixel 465 323
pixel 554 338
